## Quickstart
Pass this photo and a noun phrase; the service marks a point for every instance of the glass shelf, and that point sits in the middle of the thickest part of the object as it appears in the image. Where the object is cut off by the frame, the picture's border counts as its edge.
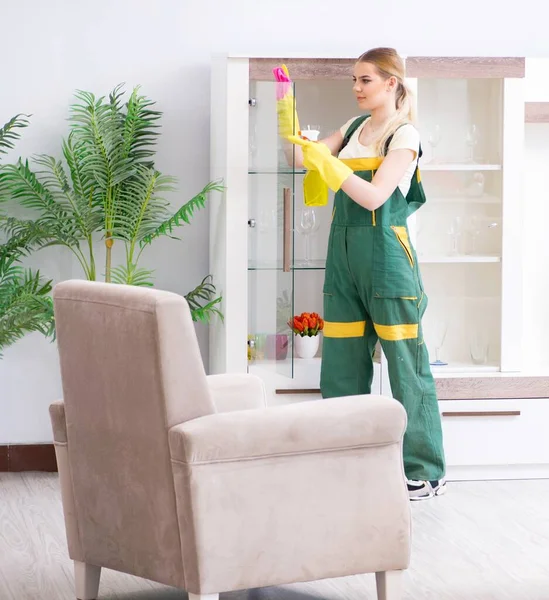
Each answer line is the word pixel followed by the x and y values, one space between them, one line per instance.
pixel 299 265
pixel 458 167
pixel 276 171
pixel 458 259
pixel 462 198
pixel 457 368
pixel 422 167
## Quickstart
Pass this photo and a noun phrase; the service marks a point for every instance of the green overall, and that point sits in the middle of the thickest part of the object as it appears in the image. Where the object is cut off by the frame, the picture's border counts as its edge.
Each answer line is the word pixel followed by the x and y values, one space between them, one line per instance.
pixel 373 290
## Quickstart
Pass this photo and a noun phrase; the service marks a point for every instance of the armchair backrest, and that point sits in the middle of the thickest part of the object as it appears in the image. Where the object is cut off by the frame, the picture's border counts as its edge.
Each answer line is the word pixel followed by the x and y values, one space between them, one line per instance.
pixel 131 369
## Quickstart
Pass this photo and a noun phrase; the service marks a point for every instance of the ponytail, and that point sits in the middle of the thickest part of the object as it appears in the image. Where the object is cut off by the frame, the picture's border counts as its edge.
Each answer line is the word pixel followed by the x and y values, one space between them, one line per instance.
pixel 405 113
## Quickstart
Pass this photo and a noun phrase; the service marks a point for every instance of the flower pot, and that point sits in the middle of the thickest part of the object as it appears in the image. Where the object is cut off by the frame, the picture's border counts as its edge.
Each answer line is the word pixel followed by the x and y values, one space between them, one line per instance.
pixel 306 347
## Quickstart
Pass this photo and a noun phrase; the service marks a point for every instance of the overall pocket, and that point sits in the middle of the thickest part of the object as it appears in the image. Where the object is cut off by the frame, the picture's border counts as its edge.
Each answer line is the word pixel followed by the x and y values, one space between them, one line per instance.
pixel 394 270
pixel 402 236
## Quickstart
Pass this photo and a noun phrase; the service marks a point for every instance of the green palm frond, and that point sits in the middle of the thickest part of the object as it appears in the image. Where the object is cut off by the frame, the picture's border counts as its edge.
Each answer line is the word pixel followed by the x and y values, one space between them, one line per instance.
pixel 25 305
pixel 183 215
pixel 75 154
pixel 202 301
pixel 26 187
pixel 23 236
pixel 141 207
pixel 85 214
pixel 115 103
pixel 139 128
pixel 132 275
pixel 99 129
pixel 10 271
pixel 8 133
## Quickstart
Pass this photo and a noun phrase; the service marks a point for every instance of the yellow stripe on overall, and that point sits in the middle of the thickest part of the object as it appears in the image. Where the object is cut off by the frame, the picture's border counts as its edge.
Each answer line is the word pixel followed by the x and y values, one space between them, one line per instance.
pixel 344 330
pixel 353 329
pixel 396 333
pixel 369 164
pixel 363 164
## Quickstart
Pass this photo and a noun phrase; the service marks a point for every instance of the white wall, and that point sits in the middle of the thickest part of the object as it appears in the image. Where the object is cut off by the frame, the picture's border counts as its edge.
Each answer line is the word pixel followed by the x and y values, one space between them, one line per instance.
pixel 165 45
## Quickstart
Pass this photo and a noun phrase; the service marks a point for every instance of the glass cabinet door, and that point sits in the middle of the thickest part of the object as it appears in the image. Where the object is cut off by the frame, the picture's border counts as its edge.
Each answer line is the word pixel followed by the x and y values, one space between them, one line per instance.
pixel 287 240
pixel 459 230
pixel 271 183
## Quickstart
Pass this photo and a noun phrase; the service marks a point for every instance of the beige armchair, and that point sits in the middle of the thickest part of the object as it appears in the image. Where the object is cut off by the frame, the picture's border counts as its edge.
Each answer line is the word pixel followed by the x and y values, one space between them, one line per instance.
pixel 190 481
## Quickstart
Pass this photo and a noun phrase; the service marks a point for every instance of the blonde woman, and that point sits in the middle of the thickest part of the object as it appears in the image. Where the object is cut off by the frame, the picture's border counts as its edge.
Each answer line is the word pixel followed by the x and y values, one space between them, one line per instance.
pixel 373 288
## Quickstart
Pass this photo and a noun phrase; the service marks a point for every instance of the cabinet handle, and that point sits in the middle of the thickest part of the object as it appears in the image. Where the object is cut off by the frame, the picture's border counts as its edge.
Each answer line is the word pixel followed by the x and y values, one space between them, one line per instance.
pixel 495 413
pixel 287 230
pixel 297 391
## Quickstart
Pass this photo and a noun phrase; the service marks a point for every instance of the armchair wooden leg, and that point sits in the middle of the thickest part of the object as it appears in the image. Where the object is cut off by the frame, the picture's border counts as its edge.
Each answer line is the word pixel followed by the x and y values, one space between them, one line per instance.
pixel 203 596
pixel 390 585
pixel 86 579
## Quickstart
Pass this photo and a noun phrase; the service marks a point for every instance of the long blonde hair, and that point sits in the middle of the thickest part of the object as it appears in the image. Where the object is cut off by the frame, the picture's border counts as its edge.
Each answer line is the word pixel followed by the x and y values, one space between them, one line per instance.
pixel 389 64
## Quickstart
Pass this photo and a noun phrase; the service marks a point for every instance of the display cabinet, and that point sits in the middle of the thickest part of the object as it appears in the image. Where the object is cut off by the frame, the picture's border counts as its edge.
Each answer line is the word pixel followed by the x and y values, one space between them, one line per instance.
pixel 468 236
pixel 268 250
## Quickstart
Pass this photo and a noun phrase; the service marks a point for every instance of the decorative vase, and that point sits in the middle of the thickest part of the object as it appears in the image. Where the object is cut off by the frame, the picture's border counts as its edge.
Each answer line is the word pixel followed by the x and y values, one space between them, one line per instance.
pixel 306 346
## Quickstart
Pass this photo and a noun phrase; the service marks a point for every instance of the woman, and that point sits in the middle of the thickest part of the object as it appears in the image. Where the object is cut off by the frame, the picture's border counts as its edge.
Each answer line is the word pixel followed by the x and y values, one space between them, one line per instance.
pixel 373 288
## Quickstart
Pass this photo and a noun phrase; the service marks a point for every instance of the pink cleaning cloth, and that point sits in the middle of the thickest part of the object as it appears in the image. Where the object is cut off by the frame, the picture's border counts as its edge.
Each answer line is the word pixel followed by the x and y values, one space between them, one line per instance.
pixel 280 74
pixel 283 81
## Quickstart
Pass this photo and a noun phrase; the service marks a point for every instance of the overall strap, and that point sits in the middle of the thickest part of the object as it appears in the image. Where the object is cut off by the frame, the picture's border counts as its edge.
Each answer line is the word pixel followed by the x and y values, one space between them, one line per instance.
pixel 352 128
pixel 390 139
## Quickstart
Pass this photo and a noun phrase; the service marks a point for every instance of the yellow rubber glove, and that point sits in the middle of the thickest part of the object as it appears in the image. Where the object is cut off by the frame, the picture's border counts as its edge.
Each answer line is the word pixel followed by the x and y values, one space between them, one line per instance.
pixel 317 157
pixel 288 123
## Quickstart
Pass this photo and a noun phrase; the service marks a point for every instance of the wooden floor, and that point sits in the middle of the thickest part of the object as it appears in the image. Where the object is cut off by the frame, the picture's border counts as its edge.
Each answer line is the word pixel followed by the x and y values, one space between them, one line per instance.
pixel 483 541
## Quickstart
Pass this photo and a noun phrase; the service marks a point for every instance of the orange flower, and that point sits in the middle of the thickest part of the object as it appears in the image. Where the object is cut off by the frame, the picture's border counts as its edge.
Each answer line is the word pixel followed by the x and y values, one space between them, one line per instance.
pixel 306 324
pixel 298 324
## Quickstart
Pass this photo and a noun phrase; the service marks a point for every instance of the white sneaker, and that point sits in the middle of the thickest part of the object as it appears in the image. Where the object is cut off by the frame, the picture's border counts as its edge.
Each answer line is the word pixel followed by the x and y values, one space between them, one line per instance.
pixel 423 490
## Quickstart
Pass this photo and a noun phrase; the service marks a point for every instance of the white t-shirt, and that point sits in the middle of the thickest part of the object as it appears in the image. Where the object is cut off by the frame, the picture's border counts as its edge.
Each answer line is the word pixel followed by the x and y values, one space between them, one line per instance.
pixel 406 136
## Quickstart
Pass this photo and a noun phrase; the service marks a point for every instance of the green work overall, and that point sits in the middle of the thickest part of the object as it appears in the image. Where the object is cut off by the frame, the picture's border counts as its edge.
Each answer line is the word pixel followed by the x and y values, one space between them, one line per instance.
pixel 373 290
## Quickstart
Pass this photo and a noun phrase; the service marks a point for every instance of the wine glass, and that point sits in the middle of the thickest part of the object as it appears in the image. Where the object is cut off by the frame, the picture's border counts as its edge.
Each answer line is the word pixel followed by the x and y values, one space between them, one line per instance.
pixel 479 345
pixel 455 231
pixel 306 225
pixel 472 140
pixel 433 141
pixel 439 331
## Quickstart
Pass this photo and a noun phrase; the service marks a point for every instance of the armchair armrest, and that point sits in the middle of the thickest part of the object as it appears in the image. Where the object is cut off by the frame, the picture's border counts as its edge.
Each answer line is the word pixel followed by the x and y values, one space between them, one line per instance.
pixel 59 425
pixel 333 424
pixel 236 391
pixel 293 493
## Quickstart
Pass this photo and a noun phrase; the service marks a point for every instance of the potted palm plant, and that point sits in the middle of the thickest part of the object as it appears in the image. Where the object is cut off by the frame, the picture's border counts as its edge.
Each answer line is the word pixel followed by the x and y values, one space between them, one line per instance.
pixel 106 190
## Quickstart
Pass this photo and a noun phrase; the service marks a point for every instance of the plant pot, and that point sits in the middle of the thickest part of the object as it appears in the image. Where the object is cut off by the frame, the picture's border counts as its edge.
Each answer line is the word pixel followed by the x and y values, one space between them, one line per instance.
pixel 306 346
